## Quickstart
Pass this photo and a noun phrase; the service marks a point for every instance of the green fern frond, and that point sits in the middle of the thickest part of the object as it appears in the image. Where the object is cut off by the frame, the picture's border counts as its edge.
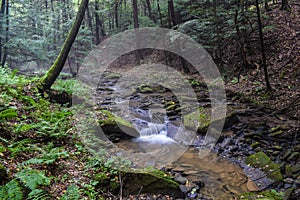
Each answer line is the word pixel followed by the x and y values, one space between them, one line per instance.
pixel 72 193
pixel 32 178
pixel 38 194
pixel 48 157
pixel 11 190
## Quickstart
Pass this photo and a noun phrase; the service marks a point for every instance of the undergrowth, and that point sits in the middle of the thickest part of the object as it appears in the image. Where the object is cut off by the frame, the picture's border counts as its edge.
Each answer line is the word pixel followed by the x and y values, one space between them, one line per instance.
pixel 39 148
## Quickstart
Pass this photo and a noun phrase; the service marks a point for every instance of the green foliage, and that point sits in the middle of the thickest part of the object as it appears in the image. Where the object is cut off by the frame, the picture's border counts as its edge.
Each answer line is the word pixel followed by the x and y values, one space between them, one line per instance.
pixel 48 157
pixel 73 193
pixel 8 114
pixel 264 195
pixel 20 146
pixel 32 178
pixel 11 190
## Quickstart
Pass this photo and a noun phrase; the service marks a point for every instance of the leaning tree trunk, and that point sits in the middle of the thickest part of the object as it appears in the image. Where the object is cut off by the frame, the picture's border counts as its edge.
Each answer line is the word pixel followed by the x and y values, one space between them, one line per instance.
pixel 48 79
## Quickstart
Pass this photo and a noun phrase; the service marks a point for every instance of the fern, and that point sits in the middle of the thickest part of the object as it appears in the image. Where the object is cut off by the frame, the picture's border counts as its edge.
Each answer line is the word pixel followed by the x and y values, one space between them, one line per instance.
pixel 38 194
pixel 20 146
pixel 72 193
pixel 12 190
pixel 8 114
pixel 32 178
pixel 48 157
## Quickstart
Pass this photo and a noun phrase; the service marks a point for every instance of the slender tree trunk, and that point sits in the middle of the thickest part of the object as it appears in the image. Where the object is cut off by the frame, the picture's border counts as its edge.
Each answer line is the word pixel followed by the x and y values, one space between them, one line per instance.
pixel 89 20
pixel 262 47
pixel 172 15
pixel 136 26
pixel 5 52
pixel 267 5
pixel 117 14
pixel 285 5
pixel 159 12
pixel 48 79
pixel 99 32
pixel 2 11
pixel 150 11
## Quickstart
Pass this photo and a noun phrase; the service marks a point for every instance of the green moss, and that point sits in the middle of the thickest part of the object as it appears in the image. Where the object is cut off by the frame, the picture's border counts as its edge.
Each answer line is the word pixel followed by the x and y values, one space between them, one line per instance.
pixel 262 161
pixel 264 195
pixel 111 123
pixel 112 75
pixel 200 122
pixel 144 89
pixel 152 181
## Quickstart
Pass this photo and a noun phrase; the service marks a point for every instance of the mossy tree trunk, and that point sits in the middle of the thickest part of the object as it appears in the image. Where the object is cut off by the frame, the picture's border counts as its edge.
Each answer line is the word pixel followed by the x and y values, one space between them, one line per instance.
pixel 48 79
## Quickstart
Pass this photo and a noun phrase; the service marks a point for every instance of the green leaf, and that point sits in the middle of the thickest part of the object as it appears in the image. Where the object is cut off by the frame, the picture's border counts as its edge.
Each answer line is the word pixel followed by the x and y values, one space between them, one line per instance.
pixel 12 190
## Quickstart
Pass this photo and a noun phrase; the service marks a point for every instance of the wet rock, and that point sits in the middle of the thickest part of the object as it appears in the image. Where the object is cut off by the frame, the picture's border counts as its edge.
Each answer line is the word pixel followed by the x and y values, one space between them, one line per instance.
pixel 293 156
pixel 263 162
pixel 150 181
pixel 178 169
pixel 292 170
pixel 185 188
pixel 288 193
pixel 180 179
pixel 190 172
pixel 115 126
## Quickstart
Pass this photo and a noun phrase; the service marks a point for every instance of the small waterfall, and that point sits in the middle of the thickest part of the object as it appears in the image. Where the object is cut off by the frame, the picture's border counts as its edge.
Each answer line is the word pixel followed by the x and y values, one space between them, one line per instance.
pixel 154 134
pixel 154 129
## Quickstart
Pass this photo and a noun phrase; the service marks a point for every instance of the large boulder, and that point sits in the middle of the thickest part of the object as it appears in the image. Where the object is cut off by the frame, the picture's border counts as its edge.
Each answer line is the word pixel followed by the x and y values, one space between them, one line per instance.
pixel 263 162
pixel 116 127
pixel 151 181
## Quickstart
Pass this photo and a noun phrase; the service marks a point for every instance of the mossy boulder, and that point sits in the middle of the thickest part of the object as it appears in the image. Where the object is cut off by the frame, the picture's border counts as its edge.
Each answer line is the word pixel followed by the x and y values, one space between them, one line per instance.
pixel 151 181
pixel 263 162
pixel 264 195
pixel 113 125
pixel 203 120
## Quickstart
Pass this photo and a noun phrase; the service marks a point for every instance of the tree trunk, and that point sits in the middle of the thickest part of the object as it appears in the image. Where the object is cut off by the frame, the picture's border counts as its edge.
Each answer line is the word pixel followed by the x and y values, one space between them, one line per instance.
pixel 150 11
pixel 172 15
pixel 285 5
pixel 5 52
pixel 159 12
pixel 117 14
pixel 89 20
pixel 136 26
pixel 2 10
pixel 99 27
pixel 262 47
pixel 267 5
pixel 48 79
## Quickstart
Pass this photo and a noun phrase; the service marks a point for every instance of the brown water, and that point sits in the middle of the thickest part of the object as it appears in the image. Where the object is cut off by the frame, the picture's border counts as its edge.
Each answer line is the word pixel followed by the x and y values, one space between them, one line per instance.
pixel 222 179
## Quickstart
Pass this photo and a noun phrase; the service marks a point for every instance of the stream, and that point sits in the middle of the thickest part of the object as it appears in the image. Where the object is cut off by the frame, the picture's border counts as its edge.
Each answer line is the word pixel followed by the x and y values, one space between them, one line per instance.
pixel 213 177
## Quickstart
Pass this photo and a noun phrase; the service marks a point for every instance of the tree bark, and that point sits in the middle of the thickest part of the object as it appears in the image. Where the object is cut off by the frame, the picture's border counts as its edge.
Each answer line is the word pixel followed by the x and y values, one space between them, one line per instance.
pixel 2 10
pixel 172 15
pixel 261 36
pixel 99 26
pixel 159 12
pixel 285 5
pixel 48 79
pixel 117 14
pixel 5 52
pixel 136 26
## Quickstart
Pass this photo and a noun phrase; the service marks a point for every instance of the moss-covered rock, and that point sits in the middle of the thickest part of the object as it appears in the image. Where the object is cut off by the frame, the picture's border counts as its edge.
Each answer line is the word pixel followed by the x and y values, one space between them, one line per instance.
pixel 115 125
pixel 151 181
pixel 203 120
pixel 264 195
pixel 263 162
pixel 112 75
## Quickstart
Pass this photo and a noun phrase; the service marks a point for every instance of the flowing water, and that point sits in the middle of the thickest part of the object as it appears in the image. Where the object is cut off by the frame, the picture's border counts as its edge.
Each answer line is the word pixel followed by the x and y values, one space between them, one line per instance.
pixel 221 179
